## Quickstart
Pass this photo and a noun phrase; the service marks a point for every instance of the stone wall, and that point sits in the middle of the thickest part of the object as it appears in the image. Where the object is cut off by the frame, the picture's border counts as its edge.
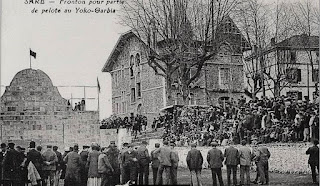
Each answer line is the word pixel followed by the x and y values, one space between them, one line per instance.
pixel 285 158
pixel 33 109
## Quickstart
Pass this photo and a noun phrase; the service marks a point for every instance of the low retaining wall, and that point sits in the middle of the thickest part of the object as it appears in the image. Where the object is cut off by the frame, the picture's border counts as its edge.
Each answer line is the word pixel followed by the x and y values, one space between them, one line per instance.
pixel 285 158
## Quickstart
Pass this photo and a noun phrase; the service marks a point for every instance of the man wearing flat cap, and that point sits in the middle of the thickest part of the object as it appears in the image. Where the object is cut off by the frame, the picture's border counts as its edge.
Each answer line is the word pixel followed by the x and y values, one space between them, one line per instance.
pixel 155 162
pixel 194 162
pixel 130 165
pixel 143 160
pixel 11 167
pixel 245 156
pixel 34 156
pixel 215 159
pixel 50 159
pixel 113 154
pixel 84 170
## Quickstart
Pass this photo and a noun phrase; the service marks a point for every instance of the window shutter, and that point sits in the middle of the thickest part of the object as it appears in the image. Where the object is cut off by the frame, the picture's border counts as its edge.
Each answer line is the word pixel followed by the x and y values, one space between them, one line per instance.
pixel 299 95
pixel 299 75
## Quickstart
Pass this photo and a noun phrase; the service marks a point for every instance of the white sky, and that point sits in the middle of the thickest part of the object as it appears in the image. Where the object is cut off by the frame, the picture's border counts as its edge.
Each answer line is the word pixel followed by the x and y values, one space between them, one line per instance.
pixel 71 48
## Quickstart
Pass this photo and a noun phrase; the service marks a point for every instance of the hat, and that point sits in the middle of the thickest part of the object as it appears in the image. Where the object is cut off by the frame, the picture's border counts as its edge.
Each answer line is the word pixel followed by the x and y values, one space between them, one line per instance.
pixel 214 144
pixel 32 144
pixel 144 142
pixel 11 145
pixel 85 146
pixel 49 146
pixel 193 145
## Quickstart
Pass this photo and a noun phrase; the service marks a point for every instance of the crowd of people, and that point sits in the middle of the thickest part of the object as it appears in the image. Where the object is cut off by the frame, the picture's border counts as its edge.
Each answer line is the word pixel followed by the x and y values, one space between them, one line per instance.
pixel 134 124
pixel 109 166
pixel 262 120
pixel 80 106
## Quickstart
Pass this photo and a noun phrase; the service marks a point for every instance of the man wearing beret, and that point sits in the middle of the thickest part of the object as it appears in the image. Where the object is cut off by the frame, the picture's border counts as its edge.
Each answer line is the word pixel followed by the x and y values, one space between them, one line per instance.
pixel 130 165
pixel 50 159
pixel 245 156
pixel 143 160
pixel 232 161
pixel 155 163
pixel 113 154
pixel 194 162
pixel 83 169
pixel 215 159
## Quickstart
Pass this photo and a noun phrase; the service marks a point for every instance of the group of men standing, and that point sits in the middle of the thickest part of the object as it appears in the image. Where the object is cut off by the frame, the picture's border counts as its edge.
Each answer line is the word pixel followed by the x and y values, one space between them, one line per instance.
pixel 19 168
pixel 232 157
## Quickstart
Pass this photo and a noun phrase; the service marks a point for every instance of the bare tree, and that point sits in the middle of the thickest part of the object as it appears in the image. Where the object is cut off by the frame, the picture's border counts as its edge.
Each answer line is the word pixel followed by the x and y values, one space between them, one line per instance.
pixel 181 35
pixel 306 18
pixel 253 20
pixel 277 65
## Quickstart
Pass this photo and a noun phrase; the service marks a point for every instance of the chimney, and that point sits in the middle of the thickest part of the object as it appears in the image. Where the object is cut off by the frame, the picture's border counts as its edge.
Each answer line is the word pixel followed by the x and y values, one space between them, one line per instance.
pixel 273 41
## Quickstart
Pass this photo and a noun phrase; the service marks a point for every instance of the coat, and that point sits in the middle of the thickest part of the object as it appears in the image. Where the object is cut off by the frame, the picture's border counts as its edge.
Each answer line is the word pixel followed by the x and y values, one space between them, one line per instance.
pixel 164 156
pixel 93 164
pixel 113 157
pixel 143 156
pixel 174 159
pixel 35 157
pixel 128 158
pixel 232 156
pixel 73 161
pixel 314 155
pixel 263 154
pixel 11 165
pixel 215 158
pixel 245 156
pixel 194 160
pixel 155 159
pixel 104 166
pixel 51 157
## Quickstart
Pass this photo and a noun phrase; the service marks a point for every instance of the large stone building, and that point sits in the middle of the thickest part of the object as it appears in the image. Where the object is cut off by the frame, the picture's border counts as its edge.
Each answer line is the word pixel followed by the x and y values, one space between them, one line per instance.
pixel 136 88
pixel 33 109
pixel 289 67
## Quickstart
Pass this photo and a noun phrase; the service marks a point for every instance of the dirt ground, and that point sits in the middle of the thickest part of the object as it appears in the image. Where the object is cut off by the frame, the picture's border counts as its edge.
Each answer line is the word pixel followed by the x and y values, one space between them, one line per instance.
pixel 275 178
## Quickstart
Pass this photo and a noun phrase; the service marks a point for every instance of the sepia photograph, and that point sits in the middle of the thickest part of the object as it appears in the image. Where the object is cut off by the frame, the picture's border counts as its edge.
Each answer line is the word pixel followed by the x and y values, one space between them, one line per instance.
pixel 159 92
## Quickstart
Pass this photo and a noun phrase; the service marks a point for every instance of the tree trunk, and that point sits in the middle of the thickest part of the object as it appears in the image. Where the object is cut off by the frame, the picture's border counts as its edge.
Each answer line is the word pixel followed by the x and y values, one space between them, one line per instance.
pixel 276 89
pixel 168 89
pixel 185 95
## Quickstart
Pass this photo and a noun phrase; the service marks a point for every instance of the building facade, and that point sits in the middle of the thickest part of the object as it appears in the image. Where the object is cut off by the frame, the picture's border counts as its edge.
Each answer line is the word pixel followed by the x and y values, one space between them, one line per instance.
pixel 136 88
pixel 289 67
pixel 33 109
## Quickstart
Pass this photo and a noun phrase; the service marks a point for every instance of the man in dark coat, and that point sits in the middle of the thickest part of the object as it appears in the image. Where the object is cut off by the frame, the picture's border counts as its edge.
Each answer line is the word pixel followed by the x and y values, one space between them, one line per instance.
pixel 215 159
pixel 165 164
pixel 11 167
pixel 262 158
pixel 232 161
pixel 130 165
pixel 73 160
pixel 194 162
pixel 2 153
pixel 143 160
pixel 50 159
pixel 113 154
pixel 35 157
pixel 59 164
pixel 155 163
pixel 174 164
pixel 84 170
pixel 314 159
